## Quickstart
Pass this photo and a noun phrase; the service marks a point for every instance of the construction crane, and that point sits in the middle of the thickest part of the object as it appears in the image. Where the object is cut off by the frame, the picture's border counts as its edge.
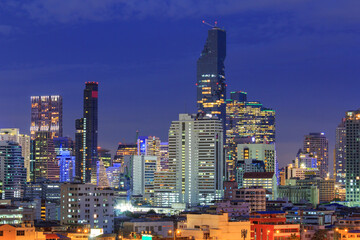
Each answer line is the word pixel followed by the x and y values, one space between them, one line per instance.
pixel 206 23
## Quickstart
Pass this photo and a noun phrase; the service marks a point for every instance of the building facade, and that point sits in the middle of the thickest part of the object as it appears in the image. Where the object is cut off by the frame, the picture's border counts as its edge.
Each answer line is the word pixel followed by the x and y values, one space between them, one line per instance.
pixel 196 163
pixel 86 136
pixel 211 86
pixel 318 143
pixel 12 134
pixel 12 171
pixel 340 155
pixel 87 204
pixel 46 115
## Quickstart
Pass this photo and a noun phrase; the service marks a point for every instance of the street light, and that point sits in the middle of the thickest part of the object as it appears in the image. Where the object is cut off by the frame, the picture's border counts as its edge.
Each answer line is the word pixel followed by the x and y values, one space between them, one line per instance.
pixel 267 235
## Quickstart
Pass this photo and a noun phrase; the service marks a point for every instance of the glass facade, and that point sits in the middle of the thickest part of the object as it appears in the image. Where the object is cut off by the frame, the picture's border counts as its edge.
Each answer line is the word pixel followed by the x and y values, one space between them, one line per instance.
pixel 211 86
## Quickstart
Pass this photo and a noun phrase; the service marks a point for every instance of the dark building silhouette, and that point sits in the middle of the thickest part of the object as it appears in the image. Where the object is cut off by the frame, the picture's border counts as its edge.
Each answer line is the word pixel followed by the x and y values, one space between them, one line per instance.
pixel 86 136
pixel 211 86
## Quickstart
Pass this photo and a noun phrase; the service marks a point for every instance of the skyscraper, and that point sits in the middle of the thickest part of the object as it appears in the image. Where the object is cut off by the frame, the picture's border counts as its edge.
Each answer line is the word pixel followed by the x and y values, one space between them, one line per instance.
pixel 352 154
pixel 339 156
pixel 246 122
pixel 86 136
pixel 12 134
pixel 211 86
pixel 46 115
pixel 196 163
pixel 12 171
pixel 317 143
pixel 125 149
pixel 44 162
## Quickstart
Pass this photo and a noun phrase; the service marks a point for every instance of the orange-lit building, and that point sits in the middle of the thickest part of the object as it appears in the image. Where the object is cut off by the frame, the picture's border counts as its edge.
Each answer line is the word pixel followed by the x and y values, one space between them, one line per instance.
pixel 271 225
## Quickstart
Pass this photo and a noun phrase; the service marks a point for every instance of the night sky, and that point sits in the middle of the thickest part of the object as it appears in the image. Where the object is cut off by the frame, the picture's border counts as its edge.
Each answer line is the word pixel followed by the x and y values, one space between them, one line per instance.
pixel 298 57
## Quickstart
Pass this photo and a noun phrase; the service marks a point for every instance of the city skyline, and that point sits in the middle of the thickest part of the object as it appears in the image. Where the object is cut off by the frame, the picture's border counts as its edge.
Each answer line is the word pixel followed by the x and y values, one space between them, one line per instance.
pixel 255 64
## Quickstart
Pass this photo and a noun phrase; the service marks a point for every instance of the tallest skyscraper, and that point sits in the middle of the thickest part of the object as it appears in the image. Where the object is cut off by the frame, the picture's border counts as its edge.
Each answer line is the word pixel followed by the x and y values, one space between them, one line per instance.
pixel 86 136
pixel 211 86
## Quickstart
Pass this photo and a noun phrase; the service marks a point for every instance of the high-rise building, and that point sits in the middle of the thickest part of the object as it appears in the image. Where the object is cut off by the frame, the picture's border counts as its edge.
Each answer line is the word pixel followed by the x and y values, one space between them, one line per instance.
pixel 139 171
pixel 318 143
pixel 164 156
pixel 86 136
pixel 46 115
pixel 12 171
pixel 196 164
pixel 211 86
pixel 149 145
pixel 44 161
pixel 352 157
pixel 246 122
pixel 125 149
pixel 339 156
pixel 12 134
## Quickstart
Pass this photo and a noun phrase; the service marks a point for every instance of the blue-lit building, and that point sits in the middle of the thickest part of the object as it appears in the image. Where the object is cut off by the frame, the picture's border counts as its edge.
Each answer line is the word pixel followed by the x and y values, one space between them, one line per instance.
pixel 113 174
pixel 67 166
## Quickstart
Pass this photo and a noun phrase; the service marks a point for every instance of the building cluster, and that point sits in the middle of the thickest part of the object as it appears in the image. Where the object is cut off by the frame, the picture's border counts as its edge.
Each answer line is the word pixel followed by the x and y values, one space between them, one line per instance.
pixel 215 177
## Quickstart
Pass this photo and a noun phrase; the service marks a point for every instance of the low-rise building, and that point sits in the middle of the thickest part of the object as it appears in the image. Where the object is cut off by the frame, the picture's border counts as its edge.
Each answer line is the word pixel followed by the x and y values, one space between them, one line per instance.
pixel 87 204
pixel 213 226
pixel 272 225
pixel 20 232
pixel 298 194
pixel 235 208
pixel 254 196
pixel 160 228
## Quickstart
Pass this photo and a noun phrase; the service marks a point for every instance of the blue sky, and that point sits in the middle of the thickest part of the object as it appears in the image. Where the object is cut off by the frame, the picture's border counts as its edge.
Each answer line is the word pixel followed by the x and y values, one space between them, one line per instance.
pixel 298 57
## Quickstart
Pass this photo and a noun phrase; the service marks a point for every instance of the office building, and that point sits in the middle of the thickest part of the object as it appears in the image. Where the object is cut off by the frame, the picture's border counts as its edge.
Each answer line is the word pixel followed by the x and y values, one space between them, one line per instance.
pixel 318 143
pixel 164 156
pixel 12 134
pixel 304 166
pixel 44 162
pixel 196 163
pixel 148 145
pixel 352 157
pixel 46 115
pixel 260 152
pixel 12 171
pixel 67 166
pixel 113 174
pixel 86 136
pixel 101 176
pixel 87 204
pixel 158 227
pixel 339 156
pixel 299 193
pixel 125 149
pixel 211 86
pixel 105 156
pixel 246 122
pixel 266 180
pixel 139 171
pixel 247 165
pixel 45 190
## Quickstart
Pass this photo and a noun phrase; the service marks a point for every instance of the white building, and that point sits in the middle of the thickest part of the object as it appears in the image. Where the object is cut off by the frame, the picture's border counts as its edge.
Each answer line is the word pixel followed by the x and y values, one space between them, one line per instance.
pixel 87 204
pixel 12 134
pixel 140 171
pixel 259 151
pixel 196 163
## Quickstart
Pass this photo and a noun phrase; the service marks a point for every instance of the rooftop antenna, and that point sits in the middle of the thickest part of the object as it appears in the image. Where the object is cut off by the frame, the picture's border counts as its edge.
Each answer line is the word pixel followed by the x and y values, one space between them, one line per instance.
pixel 206 23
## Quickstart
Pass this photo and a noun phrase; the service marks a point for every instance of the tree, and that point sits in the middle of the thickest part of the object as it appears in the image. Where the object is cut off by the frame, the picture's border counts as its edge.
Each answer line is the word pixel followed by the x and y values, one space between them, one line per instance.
pixel 293 237
pixel 320 234
pixel 244 233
